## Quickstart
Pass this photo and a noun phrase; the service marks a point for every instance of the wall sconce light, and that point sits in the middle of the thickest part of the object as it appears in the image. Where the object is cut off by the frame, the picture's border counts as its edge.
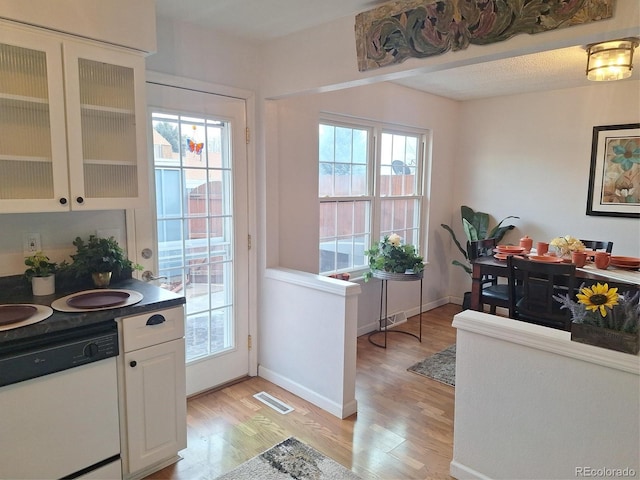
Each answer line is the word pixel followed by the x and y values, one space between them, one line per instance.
pixel 612 60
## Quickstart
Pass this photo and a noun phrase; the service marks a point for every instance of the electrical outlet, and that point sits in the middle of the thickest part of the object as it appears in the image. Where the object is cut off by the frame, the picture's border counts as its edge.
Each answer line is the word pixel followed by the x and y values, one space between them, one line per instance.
pixel 31 244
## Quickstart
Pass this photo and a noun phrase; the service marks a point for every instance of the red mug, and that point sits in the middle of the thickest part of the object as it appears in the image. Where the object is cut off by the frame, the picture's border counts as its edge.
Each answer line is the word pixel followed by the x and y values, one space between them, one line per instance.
pixel 542 248
pixel 602 260
pixel 579 259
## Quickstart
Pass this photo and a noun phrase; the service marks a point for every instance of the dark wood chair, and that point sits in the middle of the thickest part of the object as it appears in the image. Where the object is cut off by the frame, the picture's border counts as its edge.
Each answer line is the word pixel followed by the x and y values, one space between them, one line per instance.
pixel 494 294
pixel 538 283
pixel 598 245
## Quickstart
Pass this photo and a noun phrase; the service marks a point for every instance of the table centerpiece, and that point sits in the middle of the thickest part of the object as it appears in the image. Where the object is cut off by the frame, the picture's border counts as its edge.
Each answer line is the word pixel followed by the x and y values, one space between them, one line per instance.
pixel 564 246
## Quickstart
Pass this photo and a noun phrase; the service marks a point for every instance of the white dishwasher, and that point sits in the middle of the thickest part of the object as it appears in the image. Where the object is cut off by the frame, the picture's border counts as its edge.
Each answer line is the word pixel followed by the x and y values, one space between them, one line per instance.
pixel 59 406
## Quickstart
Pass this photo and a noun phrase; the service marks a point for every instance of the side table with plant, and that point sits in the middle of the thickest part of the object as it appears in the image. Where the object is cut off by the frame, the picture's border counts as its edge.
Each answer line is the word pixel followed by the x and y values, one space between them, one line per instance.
pixel 41 274
pixel 391 256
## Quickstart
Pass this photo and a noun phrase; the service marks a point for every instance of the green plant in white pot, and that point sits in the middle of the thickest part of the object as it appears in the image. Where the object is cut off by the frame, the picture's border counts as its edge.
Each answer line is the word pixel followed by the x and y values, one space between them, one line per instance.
pixel 41 274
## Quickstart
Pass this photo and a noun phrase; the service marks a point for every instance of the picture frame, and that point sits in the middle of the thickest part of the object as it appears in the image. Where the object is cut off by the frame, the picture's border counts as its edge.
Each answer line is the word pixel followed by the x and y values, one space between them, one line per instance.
pixel 614 175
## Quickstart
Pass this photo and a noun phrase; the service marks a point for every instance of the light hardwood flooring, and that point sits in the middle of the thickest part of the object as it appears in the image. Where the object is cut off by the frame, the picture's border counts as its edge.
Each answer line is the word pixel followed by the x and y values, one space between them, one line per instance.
pixel 403 428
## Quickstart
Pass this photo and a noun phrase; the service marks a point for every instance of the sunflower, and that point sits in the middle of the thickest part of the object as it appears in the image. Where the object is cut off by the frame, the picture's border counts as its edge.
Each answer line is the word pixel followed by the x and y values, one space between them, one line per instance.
pixel 598 297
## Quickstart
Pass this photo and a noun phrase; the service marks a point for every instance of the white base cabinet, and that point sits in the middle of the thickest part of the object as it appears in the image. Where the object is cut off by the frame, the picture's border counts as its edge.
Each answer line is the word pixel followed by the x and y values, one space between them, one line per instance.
pixel 152 390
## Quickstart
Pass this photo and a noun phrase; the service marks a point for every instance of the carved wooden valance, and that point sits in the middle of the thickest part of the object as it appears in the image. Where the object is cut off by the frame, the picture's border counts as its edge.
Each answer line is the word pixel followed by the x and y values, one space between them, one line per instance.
pixel 402 29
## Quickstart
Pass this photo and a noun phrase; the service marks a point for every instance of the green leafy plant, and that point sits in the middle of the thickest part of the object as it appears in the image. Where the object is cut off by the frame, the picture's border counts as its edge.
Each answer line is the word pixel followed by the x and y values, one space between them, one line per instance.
pixel 39 266
pixel 98 255
pixel 476 227
pixel 390 255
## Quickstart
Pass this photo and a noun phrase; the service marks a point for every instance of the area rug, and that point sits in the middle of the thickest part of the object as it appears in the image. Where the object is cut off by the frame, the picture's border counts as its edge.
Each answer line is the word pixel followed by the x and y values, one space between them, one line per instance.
pixel 440 366
pixel 290 459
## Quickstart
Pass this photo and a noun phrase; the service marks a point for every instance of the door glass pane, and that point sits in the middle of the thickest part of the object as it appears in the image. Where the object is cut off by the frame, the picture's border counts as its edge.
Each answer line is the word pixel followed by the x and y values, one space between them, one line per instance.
pixel 195 225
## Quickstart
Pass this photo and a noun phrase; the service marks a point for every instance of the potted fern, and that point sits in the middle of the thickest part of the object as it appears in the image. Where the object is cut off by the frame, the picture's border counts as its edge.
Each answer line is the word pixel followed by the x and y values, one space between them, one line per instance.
pixel 41 274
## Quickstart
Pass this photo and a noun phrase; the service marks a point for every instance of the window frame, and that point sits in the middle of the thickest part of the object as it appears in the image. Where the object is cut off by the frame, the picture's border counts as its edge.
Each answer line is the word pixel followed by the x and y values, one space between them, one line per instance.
pixel 375 130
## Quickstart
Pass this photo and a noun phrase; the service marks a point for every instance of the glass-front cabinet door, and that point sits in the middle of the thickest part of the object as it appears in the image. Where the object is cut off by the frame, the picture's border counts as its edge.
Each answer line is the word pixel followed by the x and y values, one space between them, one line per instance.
pixel 106 139
pixel 72 130
pixel 33 152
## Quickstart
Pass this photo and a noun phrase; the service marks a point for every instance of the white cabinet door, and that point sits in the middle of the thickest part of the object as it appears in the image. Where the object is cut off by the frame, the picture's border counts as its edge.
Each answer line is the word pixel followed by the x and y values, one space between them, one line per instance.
pixel 155 403
pixel 72 129
pixel 106 127
pixel 33 149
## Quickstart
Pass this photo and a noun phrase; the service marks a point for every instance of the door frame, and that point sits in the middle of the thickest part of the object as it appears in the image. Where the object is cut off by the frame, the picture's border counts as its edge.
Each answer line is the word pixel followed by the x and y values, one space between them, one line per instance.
pixel 249 99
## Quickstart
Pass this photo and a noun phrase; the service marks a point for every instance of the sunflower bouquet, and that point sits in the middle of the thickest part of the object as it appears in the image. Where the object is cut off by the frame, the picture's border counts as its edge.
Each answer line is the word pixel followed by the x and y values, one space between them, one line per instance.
pixel 604 307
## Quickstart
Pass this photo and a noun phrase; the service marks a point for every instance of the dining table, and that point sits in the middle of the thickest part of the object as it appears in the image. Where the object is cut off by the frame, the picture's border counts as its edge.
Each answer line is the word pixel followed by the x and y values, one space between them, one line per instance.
pixel 483 266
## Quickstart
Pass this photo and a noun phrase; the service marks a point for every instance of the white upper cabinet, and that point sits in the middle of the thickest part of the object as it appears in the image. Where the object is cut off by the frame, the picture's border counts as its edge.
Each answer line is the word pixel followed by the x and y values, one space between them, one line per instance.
pixel 72 124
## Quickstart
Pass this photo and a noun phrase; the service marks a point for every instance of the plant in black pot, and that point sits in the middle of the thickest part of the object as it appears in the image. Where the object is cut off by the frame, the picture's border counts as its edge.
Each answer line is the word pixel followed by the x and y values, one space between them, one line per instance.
pixel 476 227
pixel 101 258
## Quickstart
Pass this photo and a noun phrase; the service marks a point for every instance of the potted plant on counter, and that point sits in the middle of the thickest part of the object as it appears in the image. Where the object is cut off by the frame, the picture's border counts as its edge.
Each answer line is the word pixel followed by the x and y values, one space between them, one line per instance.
pixel 101 258
pixel 41 274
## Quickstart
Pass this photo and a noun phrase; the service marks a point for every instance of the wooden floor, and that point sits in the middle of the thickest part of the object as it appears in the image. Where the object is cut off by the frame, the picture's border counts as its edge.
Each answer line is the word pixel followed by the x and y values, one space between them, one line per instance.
pixel 403 428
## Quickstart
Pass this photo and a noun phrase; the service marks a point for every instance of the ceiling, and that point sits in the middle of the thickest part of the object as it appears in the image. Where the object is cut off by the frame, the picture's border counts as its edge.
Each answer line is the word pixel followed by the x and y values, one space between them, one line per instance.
pixel 264 20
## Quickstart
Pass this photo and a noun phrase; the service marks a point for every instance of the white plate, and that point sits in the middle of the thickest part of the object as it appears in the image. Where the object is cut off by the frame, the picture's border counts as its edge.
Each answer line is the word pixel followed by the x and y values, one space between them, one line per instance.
pixel 42 313
pixel 62 306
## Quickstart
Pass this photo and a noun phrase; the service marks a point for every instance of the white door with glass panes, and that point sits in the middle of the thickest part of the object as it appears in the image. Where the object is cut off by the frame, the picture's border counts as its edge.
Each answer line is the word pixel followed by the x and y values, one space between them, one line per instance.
pixel 200 226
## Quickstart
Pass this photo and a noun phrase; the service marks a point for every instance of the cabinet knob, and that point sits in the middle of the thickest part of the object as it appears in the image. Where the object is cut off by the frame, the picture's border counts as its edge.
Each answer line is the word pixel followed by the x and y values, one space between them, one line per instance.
pixel 80 200
pixel 133 363
pixel 63 201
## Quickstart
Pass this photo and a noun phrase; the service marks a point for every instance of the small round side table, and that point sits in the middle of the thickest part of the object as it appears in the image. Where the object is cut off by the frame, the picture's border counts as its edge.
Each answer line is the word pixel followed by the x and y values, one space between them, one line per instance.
pixel 399 277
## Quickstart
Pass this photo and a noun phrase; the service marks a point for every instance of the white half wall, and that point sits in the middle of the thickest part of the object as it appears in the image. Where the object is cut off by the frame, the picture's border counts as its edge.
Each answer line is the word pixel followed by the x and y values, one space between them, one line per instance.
pixel 307 338
pixel 530 403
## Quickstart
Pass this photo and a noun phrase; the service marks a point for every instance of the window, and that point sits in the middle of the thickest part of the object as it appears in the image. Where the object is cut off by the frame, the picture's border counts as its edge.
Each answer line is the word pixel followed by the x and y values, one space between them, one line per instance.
pixel 367 189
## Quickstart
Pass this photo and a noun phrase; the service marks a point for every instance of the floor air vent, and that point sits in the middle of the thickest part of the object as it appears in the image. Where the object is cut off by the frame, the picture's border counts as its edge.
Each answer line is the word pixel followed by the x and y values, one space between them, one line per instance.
pixel 273 402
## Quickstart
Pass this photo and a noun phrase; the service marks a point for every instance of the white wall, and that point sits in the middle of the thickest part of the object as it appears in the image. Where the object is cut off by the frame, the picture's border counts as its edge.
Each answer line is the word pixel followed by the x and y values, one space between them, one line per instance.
pixel 529 156
pixel 307 338
pixel 194 52
pixel 297 164
pixel 57 232
pixel 121 22
pixel 530 403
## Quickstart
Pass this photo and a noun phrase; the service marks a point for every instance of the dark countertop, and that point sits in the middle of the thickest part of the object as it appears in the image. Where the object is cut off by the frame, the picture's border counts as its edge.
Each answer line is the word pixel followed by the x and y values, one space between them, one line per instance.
pixel 14 291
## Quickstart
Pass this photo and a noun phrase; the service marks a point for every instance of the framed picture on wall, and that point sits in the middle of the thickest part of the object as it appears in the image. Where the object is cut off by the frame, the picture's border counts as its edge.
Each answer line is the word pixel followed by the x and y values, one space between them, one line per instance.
pixel 614 177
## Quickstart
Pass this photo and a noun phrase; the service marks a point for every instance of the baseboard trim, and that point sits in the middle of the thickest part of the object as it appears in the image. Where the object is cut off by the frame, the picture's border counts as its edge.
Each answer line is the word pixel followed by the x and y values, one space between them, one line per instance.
pixel 340 411
pixel 462 472
pixel 373 326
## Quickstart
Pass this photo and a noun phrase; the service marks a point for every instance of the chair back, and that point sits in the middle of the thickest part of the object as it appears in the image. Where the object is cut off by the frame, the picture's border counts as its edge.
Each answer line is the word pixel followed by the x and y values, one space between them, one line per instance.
pixel 539 282
pixel 481 248
pixel 598 245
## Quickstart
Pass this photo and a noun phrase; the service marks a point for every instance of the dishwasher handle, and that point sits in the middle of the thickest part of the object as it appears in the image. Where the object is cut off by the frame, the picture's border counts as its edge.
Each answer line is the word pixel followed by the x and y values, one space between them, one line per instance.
pixel 156 319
